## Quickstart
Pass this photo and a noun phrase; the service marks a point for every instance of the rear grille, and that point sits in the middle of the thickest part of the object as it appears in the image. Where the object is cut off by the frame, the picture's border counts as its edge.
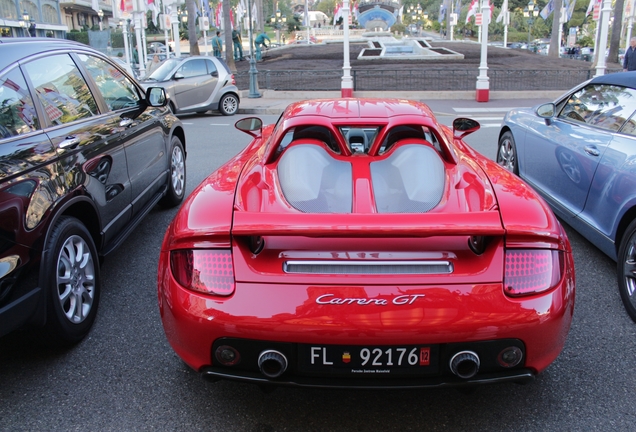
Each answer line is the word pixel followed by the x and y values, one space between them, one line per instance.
pixel 368 267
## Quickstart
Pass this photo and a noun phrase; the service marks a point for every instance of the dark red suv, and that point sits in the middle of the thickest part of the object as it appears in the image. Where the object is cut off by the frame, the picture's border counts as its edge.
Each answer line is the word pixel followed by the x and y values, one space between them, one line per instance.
pixel 85 154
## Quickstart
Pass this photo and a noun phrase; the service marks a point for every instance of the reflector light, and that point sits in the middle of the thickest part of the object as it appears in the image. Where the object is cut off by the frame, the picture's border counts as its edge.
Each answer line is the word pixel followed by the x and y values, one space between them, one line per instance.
pixel 531 271
pixel 206 271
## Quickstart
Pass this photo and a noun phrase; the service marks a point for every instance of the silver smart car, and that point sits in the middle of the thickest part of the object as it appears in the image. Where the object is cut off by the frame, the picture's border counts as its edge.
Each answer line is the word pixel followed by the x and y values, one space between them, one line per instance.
pixel 196 84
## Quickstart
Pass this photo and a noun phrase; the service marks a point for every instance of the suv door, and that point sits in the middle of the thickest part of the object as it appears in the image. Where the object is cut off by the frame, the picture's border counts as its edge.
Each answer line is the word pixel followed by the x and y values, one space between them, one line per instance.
pixel 195 84
pixel 88 140
pixel 27 172
pixel 140 129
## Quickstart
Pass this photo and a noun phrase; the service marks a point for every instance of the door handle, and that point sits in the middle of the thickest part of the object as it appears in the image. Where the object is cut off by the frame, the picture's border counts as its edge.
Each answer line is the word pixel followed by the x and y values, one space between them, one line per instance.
pixel 125 122
pixel 592 151
pixel 69 142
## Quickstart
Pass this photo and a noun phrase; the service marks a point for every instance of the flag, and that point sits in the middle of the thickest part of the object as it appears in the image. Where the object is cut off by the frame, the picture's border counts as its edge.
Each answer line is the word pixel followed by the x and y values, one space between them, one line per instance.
pixel 547 10
pixel 337 14
pixel 568 6
pixel 590 7
pixel 504 9
pixel 472 9
pixel 95 5
pixel 442 13
pixel 458 7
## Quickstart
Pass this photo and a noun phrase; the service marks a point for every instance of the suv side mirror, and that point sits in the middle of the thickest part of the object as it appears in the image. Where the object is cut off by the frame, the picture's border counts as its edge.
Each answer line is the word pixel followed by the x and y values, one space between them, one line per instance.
pixel 156 97
pixel 178 76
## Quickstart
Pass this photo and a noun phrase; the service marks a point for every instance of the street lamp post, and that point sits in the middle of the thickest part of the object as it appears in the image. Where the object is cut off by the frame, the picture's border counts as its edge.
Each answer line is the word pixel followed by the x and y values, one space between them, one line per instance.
pixel 606 10
pixel 100 14
pixel 530 12
pixel 483 83
pixel 253 92
pixel 278 20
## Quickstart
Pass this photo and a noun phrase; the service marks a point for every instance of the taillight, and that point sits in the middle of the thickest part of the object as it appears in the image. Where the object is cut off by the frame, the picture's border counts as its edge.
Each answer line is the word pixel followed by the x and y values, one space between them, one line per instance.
pixel 531 271
pixel 233 80
pixel 209 271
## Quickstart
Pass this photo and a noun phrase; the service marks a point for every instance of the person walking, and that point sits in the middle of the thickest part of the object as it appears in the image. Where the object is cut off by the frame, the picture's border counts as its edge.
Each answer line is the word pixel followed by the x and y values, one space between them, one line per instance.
pixel 629 62
pixel 260 41
pixel 238 45
pixel 217 45
pixel 152 65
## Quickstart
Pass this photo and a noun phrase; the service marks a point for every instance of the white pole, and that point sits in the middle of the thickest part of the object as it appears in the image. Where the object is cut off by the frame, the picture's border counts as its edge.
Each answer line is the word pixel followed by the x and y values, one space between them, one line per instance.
pixel 347 82
pixel 124 27
pixel 174 18
pixel 483 84
pixel 605 13
pixel 506 22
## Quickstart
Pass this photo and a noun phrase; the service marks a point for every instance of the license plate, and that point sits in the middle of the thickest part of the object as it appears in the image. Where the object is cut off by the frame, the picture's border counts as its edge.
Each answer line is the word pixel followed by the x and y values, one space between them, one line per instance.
pixel 367 360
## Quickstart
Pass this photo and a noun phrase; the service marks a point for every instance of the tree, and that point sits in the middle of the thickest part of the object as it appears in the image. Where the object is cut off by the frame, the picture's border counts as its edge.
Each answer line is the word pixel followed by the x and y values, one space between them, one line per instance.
pixel 556 24
pixel 615 40
pixel 227 26
pixel 192 27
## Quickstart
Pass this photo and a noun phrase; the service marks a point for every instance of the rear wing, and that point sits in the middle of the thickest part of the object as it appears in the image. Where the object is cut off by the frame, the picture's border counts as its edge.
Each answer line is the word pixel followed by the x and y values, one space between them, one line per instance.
pixel 487 223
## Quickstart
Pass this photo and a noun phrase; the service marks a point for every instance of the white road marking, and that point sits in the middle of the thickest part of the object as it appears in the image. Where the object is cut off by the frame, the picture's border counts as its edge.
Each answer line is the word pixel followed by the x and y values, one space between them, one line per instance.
pixel 482 110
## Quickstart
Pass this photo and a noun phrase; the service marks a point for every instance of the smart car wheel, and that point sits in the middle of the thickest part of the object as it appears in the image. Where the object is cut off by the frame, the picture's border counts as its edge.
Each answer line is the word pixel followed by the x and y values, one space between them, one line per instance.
pixel 228 105
pixel 507 153
pixel 71 272
pixel 177 179
pixel 627 270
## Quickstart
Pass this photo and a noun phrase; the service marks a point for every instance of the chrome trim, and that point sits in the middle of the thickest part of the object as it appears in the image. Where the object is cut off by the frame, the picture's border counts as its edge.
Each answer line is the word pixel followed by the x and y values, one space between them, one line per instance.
pixel 368 267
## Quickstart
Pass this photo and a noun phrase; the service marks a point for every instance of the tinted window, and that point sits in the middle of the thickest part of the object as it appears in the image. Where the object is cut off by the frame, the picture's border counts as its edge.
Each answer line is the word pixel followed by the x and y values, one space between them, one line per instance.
pixel 17 114
pixel 118 91
pixel 61 89
pixel 604 106
pixel 193 68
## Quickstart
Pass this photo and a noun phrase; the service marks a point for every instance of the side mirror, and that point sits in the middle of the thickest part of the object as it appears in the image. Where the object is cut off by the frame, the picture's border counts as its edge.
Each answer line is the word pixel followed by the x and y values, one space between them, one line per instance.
pixel 463 126
pixel 547 112
pixel 215 74
pixel 156 97
pixel 178 76
pixel 250 125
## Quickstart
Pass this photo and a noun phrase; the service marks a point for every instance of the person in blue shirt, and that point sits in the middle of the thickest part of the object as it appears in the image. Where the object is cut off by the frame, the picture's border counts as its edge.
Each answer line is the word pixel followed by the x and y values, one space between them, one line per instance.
pixel 217 45
pixel 260 41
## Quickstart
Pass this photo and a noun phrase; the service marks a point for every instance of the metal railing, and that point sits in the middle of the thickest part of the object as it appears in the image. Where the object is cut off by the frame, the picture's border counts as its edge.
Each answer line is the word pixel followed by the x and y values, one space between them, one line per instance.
pixel 417 79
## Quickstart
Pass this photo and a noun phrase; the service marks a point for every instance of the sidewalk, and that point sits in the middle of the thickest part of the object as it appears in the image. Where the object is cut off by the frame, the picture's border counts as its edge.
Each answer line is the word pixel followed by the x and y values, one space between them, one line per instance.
pixel 274 102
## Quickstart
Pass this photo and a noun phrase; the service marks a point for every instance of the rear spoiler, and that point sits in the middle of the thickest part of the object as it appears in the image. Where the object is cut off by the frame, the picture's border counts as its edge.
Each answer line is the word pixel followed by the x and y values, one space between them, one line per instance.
pixel 487 223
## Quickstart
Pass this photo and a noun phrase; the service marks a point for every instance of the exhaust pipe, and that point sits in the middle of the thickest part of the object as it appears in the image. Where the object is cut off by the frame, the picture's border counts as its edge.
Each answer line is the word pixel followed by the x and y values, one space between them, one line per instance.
pixel 465 364
pixel 272 363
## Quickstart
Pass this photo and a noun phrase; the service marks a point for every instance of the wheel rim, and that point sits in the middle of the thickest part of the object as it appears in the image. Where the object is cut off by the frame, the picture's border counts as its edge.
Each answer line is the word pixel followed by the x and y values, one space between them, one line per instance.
pixel 75 279
pixel 506 157
pixel 629 270
pixel 177 167
pixel 230 104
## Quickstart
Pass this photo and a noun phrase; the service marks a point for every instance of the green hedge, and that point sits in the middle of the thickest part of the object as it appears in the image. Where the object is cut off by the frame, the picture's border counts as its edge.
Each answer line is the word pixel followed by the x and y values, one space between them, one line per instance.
pixel 78 36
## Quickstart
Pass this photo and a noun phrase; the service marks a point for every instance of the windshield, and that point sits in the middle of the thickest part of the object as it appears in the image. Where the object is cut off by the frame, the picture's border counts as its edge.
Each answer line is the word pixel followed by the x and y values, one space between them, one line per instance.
pixel 163 71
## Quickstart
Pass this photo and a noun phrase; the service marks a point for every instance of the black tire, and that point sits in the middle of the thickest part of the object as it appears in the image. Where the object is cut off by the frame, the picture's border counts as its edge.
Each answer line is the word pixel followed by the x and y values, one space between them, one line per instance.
pixel 507 153
pixel 177 177
pixel 70 270
pixel 626 272
pixel 229 104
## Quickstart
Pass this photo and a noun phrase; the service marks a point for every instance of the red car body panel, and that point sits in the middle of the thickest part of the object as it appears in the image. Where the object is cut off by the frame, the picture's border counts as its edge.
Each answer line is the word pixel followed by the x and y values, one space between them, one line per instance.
pixel 244 200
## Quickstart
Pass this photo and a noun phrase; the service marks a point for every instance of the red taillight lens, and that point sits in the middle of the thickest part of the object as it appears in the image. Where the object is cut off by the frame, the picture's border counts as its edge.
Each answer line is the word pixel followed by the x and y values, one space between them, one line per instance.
pixel 531 271
pixel 233 80
pixel 206 271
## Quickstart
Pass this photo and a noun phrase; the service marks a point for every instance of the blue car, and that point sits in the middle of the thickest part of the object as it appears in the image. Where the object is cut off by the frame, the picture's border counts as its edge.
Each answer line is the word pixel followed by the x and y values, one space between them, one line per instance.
pixel 579 153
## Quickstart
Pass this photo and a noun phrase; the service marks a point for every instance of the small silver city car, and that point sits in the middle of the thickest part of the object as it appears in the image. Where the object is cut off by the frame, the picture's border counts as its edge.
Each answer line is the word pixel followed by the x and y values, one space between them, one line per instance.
pixel 196 84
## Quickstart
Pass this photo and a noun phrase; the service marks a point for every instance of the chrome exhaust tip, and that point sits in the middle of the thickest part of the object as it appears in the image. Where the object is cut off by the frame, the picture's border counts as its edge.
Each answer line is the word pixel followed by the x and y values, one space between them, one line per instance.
pixel 272 363
pixel 465 364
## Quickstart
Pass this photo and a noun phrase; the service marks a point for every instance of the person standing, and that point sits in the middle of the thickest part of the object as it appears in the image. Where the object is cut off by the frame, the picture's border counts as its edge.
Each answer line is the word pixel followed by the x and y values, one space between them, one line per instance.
pixel 629 62
pixel 238 45
pixel 260 41
pixel 217 45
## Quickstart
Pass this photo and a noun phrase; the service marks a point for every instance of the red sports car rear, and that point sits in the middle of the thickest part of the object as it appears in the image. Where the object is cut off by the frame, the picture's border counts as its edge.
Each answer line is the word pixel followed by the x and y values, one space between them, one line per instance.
pixel 359 243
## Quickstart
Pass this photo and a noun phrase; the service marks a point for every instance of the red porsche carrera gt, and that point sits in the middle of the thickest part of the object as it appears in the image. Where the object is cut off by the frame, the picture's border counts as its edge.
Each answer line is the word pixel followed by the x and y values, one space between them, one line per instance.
pixel 359 243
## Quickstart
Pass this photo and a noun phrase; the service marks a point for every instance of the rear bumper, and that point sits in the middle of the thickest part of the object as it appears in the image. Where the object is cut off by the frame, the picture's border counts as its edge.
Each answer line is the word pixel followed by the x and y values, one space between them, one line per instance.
pixel 441 315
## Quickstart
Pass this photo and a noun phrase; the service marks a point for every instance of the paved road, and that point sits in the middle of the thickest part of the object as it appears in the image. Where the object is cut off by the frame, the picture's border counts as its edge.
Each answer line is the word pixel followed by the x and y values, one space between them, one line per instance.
pixel 125 376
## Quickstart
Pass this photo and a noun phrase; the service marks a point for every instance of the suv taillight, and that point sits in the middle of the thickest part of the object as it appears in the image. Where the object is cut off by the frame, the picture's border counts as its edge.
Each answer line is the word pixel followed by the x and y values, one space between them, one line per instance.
pixel 532 271
pixel 209 271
